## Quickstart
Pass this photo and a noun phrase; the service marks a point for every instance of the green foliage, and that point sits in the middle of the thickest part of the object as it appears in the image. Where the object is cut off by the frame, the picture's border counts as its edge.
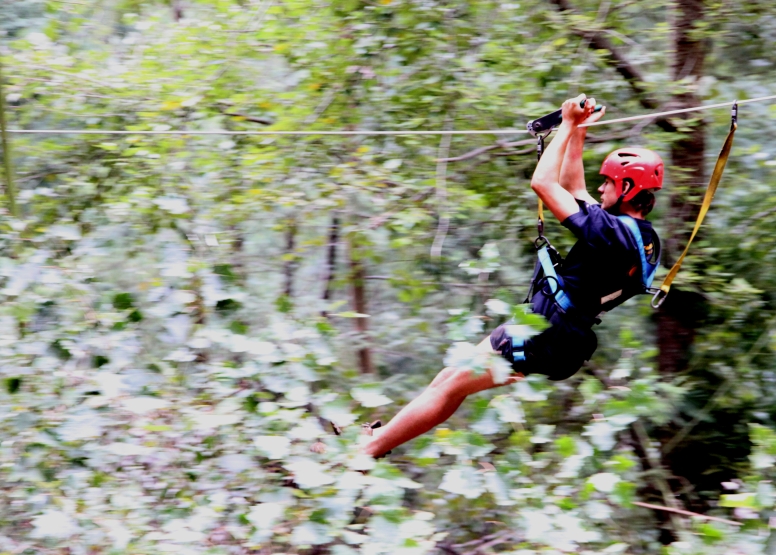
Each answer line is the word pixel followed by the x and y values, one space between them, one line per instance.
pixel 168 356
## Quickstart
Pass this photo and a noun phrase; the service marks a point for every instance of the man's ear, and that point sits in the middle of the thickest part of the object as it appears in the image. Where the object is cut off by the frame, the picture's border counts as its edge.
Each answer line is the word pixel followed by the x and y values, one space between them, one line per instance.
pixel 628 184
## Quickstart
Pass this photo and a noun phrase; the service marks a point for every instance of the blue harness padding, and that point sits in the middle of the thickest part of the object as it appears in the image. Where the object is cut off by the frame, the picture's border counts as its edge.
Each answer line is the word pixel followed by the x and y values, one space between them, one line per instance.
pixel 518 342
pixel 554 281
pixel 647 270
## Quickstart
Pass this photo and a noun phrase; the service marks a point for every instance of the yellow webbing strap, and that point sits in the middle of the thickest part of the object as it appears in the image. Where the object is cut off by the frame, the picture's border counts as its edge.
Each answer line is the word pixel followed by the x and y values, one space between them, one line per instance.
pixel 541 211
pixel 716 176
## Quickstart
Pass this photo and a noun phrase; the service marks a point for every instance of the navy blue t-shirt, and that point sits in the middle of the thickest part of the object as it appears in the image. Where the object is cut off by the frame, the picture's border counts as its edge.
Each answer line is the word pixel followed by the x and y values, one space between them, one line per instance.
pixel 598 265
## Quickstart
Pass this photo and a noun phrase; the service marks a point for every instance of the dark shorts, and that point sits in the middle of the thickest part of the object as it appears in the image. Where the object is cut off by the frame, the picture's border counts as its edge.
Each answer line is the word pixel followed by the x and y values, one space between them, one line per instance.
pixel 558 352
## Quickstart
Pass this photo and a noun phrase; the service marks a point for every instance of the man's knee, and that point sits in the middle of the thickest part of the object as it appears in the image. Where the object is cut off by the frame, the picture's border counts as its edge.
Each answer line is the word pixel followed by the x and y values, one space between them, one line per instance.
pixel 450 379
pixel 458 382
pixel 444 375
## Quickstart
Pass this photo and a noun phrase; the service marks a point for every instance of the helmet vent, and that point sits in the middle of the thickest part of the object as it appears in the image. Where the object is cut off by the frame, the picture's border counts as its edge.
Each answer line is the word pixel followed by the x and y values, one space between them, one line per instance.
pixel 626 155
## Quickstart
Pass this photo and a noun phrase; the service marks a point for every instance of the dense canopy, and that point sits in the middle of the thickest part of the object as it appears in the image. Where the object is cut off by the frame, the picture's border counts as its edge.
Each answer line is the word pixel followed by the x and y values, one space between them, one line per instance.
pixel 183 315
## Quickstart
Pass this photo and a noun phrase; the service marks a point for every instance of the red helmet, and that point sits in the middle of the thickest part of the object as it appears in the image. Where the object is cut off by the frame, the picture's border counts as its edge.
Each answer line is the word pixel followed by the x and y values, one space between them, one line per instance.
pixel 643 166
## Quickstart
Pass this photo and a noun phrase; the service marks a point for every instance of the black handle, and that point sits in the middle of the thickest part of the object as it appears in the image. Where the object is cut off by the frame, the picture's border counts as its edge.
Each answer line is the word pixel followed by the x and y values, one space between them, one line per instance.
pixel 546 123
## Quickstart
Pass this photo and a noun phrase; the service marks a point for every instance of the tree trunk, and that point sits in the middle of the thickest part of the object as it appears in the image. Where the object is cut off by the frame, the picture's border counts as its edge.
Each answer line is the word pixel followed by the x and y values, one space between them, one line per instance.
pixel 677 320
pixel 290 265
pixel 358 277
pixel 331 259
pixel 177 9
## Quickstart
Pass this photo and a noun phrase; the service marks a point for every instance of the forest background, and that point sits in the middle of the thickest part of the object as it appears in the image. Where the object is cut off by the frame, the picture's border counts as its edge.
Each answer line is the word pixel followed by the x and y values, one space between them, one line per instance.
pixel 182 315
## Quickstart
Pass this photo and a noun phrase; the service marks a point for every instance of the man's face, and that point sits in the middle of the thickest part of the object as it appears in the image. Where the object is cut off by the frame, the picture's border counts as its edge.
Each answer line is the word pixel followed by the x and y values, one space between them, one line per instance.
pixel 608 192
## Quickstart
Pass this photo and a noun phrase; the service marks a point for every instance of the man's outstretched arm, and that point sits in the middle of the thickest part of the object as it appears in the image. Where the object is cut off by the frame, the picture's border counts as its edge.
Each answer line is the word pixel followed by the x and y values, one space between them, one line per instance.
pixel 546 181
pixel 572 172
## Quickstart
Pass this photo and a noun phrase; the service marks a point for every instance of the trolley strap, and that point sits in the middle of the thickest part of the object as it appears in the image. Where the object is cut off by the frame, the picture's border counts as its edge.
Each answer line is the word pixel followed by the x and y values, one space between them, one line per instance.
pixel 716 176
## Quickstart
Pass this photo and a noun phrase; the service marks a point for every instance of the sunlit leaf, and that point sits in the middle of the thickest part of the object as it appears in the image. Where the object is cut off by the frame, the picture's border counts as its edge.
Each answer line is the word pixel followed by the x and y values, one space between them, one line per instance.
pixel 370 396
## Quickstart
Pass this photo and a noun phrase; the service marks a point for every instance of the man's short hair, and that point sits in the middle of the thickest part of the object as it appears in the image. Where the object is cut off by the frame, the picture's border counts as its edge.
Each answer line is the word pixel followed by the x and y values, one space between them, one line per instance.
pixel 644 201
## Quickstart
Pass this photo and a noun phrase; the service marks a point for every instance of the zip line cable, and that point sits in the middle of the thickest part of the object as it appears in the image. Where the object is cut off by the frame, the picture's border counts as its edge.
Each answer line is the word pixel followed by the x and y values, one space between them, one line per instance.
pixel 364 132
pixel 679 111
pixel 376 133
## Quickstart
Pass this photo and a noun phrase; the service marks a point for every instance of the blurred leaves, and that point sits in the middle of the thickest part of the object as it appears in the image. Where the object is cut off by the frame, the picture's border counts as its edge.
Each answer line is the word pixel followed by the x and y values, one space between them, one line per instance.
pixel 168 357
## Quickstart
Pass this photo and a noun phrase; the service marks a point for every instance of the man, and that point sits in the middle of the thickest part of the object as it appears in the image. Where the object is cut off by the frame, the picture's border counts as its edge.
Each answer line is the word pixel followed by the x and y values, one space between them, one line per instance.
pixel 603 269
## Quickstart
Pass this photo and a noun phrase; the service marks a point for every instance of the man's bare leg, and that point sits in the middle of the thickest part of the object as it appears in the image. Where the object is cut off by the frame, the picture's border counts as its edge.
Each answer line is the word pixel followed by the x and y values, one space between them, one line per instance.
pixel 436 404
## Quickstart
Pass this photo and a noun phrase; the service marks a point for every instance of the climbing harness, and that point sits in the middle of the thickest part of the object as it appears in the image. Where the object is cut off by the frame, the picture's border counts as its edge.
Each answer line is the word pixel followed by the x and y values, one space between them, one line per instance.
pixel 546 276
pixel 716 176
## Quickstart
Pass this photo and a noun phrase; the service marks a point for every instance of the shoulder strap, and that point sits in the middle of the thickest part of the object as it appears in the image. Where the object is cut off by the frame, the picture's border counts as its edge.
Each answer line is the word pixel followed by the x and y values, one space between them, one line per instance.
pixel 647 270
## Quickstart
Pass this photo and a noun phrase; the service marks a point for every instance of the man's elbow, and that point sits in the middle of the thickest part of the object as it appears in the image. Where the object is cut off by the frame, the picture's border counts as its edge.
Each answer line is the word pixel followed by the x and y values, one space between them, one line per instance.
pixel 538 185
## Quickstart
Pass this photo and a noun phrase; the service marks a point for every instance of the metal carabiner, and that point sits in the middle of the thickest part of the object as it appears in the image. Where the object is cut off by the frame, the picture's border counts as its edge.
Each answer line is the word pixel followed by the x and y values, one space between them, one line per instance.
pixel 659 297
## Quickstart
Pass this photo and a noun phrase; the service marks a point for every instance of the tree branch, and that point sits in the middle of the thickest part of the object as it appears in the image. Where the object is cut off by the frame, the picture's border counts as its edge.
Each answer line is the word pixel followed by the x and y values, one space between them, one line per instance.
pixel 446 284
pixel 660 481
pixel 686 513
pixel 484 149
pixel 516 152
pixel 501 537
pixel 480 545
pixel 636 130
pixel 480 541
pixel 254 119
pixel 598 41
pixel 447 548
